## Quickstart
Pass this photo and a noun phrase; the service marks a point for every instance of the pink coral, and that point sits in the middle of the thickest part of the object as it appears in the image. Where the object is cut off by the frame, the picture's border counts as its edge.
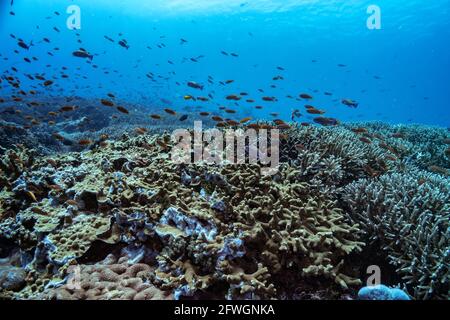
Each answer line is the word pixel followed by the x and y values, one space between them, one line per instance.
pixel 108 280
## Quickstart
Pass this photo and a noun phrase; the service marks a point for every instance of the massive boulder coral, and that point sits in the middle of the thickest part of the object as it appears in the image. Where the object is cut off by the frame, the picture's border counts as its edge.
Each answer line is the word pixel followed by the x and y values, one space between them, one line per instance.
pixel 110 279
pixel 409 214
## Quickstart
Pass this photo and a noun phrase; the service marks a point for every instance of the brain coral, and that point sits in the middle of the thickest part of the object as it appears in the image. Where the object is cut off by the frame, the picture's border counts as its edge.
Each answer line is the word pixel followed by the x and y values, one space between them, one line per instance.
pixel 110 279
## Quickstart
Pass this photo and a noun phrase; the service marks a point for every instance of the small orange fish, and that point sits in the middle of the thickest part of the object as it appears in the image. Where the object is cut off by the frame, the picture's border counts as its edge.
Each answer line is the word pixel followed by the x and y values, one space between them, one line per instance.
pixel 283 126
pixel 245 120
pixel 314 111
pixel 31 195
pixel 232 123
pixel 365 140
pixel 38 211
pixel 391 158
pixel 359 130
pixel 71 202
pixel 107 102
pixel 326 121
pixel 140 131
pixel 155 116
pixel 52 163
pixel 305 96
pixel 278 122
pixel 123 110
pixel 253 126
pixel 67 108
pixel 233 97
pixel 221 125
pixel 217 119
pixel 84 142
pixel 170 111
pixel 269 99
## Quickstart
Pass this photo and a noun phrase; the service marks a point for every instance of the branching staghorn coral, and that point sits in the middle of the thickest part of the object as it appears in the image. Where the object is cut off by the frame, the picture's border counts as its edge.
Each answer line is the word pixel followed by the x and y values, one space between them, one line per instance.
pixel 409 214
pixel 338 146
pixel 419 145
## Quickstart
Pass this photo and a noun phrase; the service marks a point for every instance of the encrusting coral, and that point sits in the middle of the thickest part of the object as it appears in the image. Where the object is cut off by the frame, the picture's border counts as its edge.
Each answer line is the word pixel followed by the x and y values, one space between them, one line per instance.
pixel 221 231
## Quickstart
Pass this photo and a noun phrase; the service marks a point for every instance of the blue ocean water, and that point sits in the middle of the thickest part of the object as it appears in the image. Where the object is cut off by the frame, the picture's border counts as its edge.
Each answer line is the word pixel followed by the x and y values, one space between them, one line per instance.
pixel 398 74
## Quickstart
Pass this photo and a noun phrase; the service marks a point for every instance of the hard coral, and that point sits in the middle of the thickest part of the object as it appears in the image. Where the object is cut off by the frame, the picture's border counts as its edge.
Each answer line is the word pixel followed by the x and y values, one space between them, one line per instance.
pixel 227 231
pixel 110 279
pixel 409 214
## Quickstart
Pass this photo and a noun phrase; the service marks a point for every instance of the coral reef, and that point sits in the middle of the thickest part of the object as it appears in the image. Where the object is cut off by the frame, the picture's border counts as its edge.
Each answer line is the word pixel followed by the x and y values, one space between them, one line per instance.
pixel 135 225
pixel 409 214
pixel 87 120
